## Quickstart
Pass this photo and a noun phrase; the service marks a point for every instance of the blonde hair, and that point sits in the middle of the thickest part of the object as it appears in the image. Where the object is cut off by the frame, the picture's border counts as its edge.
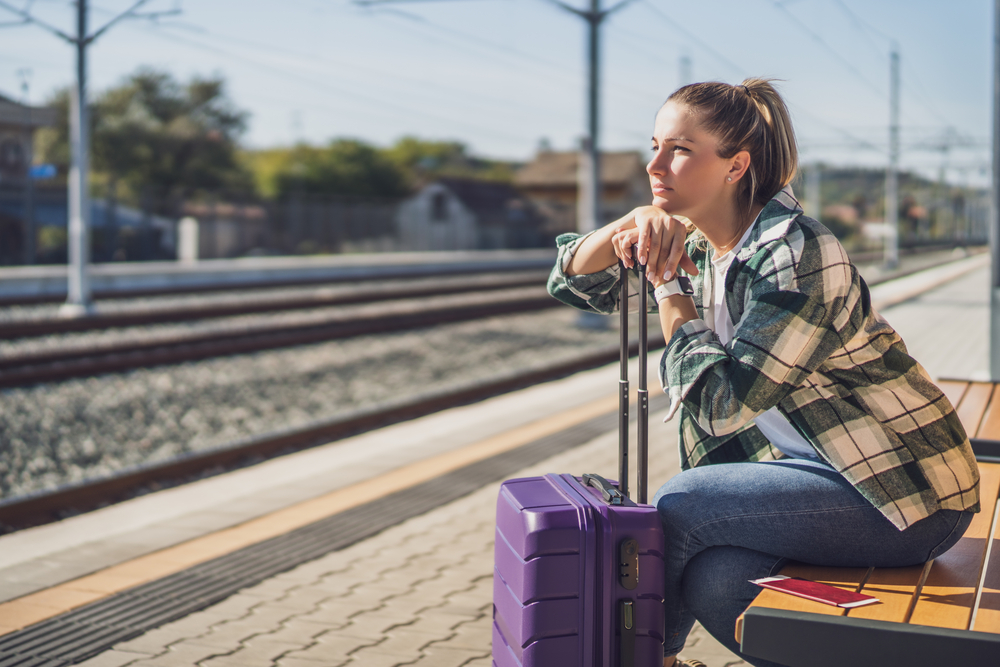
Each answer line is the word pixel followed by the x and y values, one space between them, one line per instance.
pixel 748 117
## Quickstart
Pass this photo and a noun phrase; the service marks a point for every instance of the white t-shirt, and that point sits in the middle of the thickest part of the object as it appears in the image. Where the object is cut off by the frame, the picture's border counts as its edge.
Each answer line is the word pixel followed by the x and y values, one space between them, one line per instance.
pixel 775 427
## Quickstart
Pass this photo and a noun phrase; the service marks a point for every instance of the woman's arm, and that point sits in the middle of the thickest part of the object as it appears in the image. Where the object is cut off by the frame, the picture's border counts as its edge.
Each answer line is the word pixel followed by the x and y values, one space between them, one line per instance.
pixel 675 311
pixel 659 236
pixel 596 252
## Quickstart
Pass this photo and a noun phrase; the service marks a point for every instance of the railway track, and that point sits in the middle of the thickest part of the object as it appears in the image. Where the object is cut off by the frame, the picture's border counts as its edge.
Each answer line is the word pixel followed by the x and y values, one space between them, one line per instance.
pixel 72 361
pixel 45 507
pixel 223 305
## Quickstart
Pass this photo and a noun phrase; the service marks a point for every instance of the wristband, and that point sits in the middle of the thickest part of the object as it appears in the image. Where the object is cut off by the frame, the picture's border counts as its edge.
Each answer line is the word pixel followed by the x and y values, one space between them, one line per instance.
pixel 679 285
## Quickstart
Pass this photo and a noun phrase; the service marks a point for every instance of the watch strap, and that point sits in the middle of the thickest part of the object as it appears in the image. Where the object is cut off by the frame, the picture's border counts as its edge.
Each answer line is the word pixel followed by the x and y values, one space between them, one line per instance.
pixel 679 285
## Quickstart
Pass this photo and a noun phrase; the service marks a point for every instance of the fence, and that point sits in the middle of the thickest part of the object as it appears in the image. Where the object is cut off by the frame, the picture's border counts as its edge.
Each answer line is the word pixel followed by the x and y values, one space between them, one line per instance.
pixel 314 225
pixel 120 232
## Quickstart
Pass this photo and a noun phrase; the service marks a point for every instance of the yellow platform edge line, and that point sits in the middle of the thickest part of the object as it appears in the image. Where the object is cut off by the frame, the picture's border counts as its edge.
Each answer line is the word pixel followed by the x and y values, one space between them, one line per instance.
pixel 41 605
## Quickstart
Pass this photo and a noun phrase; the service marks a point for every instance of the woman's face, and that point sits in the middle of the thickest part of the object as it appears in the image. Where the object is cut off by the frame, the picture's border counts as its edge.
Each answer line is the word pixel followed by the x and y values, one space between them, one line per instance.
pixel 686 174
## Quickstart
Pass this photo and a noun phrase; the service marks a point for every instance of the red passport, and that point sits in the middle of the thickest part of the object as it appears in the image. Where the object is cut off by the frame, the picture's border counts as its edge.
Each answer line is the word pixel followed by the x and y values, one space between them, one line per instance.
pixel 813 590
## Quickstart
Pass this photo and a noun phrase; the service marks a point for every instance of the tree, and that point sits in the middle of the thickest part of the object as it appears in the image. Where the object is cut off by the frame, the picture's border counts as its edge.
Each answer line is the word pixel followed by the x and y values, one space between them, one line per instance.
pixel 154 136
pixel 425 160
pixel 342 167
pixel 354 168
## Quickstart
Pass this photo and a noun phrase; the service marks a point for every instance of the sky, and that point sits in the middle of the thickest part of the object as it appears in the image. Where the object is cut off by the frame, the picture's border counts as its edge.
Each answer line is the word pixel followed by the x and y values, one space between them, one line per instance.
pixel 504 76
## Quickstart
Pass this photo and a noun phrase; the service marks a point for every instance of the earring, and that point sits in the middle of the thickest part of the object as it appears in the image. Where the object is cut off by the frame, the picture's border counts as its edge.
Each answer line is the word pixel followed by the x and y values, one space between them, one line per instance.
pixel 729 180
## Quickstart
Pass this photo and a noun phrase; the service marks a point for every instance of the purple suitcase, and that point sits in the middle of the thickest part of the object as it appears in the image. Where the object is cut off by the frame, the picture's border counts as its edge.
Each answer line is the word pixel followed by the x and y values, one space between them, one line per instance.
pixel 578 566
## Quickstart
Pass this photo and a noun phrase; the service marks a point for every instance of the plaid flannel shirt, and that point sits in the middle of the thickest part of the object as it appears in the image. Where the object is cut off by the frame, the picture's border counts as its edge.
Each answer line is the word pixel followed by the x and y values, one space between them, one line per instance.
pixel 808 341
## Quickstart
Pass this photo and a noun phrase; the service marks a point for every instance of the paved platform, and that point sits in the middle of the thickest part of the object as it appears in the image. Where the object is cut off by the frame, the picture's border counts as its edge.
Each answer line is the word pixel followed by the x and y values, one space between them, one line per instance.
pixel 419 592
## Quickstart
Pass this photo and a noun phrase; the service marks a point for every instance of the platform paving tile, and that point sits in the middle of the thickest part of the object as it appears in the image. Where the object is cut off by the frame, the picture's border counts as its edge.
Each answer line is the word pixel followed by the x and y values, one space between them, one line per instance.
pixel 302 594
pixel 444 656
pixel 154 641
pixel 116 658
pixel 415 594
pixel 399 642
pixel 255 652
pixel 295 631
pixel 473 634
pixel 173 656
pixel 331 648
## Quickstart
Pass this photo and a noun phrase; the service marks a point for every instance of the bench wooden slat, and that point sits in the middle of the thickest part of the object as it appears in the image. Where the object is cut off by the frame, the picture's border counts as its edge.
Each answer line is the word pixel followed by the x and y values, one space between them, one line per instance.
pixel 972 406
pixel 954 390
pixel 894 586
pixel 988 616
pixel 947 598
pixel 989 428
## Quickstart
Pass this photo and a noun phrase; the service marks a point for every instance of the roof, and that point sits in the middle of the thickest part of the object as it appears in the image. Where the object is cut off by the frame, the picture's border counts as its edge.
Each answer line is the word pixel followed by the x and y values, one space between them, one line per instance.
pixel 479 196
pixel 557 168
pixel 14 113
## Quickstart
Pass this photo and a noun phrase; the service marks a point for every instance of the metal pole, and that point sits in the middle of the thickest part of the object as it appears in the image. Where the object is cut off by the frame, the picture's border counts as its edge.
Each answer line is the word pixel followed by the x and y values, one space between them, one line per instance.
pixel 29 185
pixel 891 176
pixel 995 205
pixel 814 207
pixel 623 391
pixel 686 76
pixel 642 429
pixel 589 200
pixel 78 300
pixel 594 23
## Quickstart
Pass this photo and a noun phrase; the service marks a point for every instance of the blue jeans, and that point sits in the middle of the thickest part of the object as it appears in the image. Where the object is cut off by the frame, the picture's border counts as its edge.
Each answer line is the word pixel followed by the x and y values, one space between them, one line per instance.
pixel 726 524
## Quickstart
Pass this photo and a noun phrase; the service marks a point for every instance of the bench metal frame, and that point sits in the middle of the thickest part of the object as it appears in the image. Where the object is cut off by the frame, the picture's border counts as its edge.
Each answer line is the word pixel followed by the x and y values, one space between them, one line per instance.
pixel 803 639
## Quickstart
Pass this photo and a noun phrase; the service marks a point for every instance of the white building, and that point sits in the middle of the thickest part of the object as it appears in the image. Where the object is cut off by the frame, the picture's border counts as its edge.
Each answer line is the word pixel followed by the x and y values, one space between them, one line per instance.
pixel 468 214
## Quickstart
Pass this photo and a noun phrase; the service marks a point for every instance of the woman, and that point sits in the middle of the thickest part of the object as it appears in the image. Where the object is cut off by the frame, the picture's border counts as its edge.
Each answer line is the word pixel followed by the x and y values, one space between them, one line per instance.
pixel 807 432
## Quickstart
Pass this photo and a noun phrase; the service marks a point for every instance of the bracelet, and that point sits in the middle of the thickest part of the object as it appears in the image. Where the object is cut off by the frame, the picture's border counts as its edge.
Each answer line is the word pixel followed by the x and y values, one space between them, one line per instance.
pixel 679 285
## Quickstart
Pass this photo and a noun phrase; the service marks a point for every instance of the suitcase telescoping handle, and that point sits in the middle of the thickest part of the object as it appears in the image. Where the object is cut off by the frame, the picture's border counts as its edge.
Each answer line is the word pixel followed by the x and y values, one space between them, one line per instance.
pixel 623 399
pixel 642 446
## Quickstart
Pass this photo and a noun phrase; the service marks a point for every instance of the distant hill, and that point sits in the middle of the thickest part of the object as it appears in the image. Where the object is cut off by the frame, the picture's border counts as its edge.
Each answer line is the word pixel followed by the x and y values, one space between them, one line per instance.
pixel 928 211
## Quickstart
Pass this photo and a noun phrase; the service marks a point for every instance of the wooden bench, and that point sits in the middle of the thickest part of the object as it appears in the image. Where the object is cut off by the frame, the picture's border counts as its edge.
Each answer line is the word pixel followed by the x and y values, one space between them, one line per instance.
pixel 942 614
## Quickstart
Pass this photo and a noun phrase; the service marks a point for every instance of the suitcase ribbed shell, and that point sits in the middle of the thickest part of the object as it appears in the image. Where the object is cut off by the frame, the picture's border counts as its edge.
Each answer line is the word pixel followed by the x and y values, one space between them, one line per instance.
pixel 556 584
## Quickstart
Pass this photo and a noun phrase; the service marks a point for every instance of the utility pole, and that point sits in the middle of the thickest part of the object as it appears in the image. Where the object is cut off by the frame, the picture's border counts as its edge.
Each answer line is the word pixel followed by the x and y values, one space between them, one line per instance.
pixel 814 207
pixel 78 301
pixel 29 184
pixel 995 206
pixel 588 220
pixel 686 76
pixel 892 173
pixel 589 199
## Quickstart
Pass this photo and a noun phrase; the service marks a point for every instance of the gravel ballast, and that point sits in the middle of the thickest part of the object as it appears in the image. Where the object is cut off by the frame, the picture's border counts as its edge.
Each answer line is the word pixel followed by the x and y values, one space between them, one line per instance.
pixel 59 433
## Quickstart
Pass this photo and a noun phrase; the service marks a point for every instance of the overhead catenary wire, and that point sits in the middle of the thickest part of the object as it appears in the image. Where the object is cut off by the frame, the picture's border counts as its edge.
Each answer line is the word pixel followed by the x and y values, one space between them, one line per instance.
pixel 816 37
pixel 740 71
pixel 380 103
pixel 308 60
pixel 559 72
pixel 915 88
pixel 693 36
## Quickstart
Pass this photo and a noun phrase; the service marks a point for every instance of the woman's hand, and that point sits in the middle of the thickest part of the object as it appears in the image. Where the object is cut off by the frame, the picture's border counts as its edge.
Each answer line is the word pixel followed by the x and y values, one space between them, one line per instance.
pixel 660 238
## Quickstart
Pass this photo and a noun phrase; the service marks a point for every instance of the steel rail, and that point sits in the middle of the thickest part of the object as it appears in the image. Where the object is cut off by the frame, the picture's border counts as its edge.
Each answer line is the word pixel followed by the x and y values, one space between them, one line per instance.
pixel 349 275
pixel 45 507
pixel 67 363
pixel 264 304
